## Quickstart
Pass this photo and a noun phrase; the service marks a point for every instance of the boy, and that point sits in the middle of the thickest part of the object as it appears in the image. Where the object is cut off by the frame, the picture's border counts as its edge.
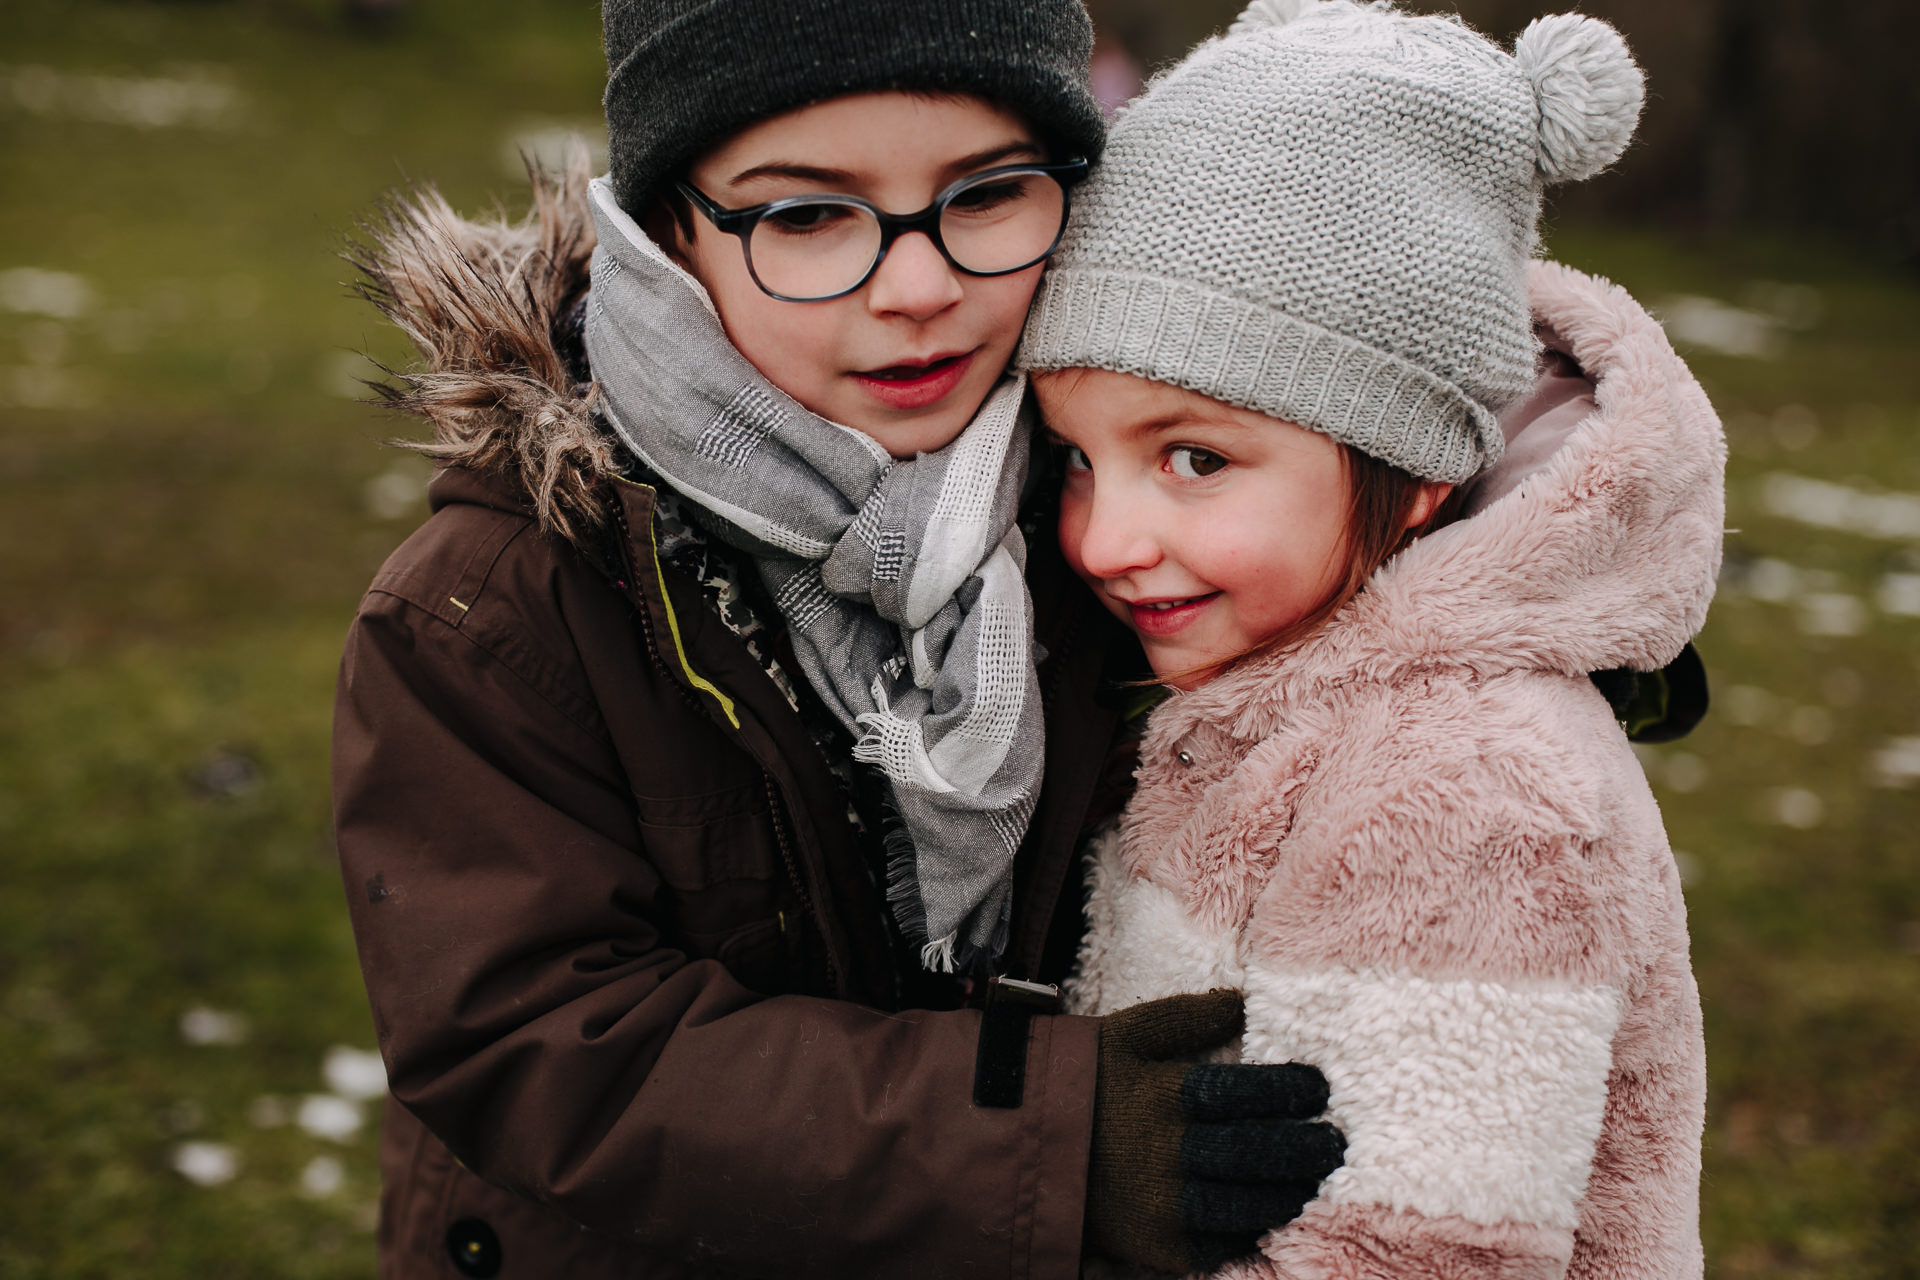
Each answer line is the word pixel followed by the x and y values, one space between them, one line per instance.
pixel 646 1006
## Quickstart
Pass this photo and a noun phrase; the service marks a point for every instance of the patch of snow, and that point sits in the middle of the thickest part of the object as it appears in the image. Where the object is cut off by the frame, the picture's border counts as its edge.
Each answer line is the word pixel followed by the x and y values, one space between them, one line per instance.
pixel 1796 807
pixel 1900 595
pixel 1832 613
pixel 323 1176
pixel 547 142
pixel 33 291
pixel 206 1164
pixel 1720 327
pixel 200 97
pixel 326 1115
pixel 1826 505
pixel 1897 764
pixel 201 1025
pixel 355 1073
pixel 398 491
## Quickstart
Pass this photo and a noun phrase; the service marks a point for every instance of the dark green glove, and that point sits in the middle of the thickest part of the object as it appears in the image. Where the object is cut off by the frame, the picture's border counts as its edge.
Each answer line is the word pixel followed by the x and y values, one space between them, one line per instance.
pixel 1193 1164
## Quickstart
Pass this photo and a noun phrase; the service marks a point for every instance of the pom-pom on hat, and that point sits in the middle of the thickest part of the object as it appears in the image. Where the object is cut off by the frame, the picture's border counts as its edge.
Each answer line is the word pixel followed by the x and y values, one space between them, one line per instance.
pixel 1326 215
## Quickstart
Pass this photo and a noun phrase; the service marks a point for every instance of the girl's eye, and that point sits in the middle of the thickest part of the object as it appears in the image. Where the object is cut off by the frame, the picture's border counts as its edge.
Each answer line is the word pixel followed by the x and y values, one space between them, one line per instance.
pixel 1190 463
pixel 1076 460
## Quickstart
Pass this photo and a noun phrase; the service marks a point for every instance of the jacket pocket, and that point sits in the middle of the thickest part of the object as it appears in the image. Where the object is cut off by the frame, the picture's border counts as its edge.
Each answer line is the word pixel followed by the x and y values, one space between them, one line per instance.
pixel 698 842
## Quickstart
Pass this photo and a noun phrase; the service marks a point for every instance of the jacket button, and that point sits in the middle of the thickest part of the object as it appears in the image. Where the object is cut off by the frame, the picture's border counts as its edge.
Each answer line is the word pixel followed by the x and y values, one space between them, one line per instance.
pixel 474 1248
pixel 1185 758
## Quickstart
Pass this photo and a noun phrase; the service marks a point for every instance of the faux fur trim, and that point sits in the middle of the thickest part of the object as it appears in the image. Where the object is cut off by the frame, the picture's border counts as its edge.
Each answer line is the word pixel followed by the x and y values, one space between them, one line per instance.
pixel 481 299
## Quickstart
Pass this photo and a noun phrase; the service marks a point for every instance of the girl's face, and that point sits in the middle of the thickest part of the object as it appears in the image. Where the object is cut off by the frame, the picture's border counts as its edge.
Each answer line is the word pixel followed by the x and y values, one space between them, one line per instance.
pixel 1207 529
pixel 910 356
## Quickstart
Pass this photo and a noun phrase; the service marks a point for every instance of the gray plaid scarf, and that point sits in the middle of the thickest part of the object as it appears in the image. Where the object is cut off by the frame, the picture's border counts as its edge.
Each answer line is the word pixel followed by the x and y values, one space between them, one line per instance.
pixel 902 582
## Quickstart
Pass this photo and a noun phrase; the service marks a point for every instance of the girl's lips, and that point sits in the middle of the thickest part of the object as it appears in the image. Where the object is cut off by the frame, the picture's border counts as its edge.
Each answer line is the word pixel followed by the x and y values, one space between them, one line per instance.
pixel 916 387
pixel 1166 618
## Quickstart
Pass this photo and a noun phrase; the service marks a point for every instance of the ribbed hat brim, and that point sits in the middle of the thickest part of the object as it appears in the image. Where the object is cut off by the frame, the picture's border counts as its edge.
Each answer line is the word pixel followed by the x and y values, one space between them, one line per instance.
pixel 1258 358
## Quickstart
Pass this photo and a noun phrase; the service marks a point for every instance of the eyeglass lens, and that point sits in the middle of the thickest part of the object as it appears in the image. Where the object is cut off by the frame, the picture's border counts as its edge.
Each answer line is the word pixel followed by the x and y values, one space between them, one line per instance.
pixel 997 223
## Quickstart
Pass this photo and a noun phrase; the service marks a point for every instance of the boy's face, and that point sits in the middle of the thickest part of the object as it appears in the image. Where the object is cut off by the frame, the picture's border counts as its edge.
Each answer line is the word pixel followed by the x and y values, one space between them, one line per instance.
pixel 911 355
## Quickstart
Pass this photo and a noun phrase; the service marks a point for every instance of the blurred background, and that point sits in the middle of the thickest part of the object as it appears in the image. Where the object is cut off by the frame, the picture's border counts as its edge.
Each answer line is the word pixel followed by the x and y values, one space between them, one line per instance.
pixel 192 499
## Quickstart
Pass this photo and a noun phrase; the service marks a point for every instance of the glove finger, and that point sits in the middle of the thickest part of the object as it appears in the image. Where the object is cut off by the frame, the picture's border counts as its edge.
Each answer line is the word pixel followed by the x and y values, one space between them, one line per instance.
pixel 1212 1250
pixel 1177 1026
pixel 1262 1151
pixel 1254 1091
pixel 1230 1208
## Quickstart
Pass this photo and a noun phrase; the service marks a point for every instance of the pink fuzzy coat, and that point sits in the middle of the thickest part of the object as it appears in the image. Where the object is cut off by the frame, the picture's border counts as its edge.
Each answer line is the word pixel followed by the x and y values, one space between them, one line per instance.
pixel 1422 846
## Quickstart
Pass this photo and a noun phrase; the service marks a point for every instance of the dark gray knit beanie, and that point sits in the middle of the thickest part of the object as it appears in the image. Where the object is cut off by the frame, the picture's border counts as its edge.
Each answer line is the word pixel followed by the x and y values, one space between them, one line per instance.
pixel 683 74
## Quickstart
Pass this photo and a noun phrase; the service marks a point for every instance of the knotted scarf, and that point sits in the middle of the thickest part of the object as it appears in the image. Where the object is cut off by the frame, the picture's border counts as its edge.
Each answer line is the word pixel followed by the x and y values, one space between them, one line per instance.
pixel 902 582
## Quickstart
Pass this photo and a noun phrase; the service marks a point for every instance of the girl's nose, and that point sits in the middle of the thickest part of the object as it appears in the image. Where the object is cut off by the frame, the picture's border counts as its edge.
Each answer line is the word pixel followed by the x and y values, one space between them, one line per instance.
pixel 1116 537
pixel 914 281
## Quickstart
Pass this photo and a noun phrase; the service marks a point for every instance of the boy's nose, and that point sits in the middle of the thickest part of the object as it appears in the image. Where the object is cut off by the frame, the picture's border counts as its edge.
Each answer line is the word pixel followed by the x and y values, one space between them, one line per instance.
pixel 915 280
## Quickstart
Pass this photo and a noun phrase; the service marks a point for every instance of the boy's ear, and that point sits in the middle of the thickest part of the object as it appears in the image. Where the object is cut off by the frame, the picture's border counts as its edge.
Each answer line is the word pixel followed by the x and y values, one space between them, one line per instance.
pixel 666 226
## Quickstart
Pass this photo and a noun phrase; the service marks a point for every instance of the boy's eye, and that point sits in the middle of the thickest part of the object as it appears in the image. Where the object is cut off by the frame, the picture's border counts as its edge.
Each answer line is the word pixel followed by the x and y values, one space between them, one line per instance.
pixel 1075 459
pixel 988 196
pixel 801 218
pixel 1190 463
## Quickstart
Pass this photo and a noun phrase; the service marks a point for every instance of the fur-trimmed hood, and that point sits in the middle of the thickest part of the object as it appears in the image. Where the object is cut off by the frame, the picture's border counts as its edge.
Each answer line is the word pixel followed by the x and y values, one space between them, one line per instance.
pixel 491 304
pixel 1602 557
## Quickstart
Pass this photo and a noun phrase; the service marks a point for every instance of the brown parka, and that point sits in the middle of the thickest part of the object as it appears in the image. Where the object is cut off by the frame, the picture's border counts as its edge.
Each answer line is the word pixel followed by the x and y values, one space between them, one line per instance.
pixel 632 979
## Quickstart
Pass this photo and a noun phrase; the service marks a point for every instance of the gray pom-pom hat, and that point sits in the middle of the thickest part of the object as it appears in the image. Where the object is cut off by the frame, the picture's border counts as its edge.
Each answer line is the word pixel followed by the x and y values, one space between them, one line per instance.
pixel 1326 216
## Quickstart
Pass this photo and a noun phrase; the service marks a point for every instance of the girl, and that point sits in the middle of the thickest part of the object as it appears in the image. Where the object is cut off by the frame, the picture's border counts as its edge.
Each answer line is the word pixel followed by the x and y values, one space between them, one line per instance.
pixel 1383 797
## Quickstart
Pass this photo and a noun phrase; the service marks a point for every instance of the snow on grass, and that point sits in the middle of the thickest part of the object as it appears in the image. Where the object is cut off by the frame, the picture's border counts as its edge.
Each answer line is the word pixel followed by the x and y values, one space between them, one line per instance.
pixel 206 1164
pixel 1897 764
pixel 327 1115
pixel 1796 807
pixel 323 1176
pixel 1826 505
pixel 200 98
pixel 354 1073
pixel 203 1026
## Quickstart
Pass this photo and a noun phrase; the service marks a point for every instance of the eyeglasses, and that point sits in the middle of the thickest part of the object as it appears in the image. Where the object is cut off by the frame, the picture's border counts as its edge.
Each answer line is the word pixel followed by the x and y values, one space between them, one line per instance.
pixel 816 247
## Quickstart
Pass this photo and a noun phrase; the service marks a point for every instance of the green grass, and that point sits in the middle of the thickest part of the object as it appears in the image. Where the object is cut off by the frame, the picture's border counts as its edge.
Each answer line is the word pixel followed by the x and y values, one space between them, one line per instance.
pixel 185 529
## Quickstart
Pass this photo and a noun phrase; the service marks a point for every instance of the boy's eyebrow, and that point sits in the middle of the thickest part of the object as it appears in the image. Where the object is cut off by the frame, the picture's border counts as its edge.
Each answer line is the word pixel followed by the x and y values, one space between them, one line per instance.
pixel 994 155
pixel 830 179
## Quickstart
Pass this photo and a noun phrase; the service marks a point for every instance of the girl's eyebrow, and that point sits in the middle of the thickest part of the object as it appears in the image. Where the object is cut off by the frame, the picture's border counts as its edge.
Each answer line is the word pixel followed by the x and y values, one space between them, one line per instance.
pixel 832 179
pixel 1183 420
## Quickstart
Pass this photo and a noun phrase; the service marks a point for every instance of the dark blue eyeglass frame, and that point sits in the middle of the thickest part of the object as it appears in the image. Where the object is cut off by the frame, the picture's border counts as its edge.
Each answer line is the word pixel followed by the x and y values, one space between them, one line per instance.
pixel 741 222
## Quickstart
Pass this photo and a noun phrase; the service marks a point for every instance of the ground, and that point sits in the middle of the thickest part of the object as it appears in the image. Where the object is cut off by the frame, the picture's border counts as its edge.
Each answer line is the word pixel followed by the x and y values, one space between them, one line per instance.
pixel 191 502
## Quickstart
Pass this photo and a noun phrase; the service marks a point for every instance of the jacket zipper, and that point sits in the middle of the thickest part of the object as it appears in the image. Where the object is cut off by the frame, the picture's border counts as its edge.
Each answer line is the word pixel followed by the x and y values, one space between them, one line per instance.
pixel 776 807
pixel 776 810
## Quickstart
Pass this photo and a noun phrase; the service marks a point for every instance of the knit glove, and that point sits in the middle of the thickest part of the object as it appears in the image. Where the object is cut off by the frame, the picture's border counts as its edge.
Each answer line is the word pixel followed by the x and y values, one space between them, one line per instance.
pixel 1193 1164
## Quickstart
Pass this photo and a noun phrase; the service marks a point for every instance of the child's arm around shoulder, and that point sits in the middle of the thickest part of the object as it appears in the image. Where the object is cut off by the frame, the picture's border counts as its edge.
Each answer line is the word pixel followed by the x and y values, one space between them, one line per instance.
pixel 1451 934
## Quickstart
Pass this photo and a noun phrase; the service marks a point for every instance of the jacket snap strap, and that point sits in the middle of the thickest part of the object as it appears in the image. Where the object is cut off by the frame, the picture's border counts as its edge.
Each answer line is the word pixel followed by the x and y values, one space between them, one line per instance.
pixel 1006 1026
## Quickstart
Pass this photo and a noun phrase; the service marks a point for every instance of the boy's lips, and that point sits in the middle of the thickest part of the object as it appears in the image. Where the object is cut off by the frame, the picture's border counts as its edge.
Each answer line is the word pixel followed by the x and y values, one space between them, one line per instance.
pixel 1166 617
pixel 918 384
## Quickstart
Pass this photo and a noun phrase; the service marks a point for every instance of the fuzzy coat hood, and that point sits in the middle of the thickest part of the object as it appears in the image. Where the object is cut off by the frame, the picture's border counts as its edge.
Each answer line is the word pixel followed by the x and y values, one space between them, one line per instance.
pixel 492 306
pixel 1420 843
